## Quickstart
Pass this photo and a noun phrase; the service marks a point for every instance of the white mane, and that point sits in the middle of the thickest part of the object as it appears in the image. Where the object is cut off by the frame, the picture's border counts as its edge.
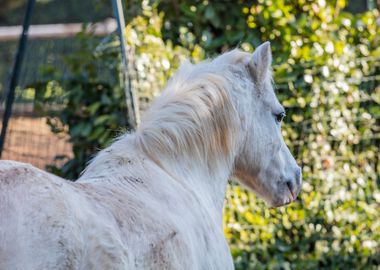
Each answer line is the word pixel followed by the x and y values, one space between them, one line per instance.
pixel 194 119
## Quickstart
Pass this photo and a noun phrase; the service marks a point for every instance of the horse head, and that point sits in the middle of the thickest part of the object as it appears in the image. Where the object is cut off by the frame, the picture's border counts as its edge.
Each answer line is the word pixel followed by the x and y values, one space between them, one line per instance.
pixel 263 162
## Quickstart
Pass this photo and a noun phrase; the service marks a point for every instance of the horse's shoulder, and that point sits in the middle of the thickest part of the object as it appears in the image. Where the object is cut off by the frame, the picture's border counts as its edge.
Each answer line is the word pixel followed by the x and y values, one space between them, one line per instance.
pixel 38 197
pixel 13 173
pixel 12 170
pixel 10 164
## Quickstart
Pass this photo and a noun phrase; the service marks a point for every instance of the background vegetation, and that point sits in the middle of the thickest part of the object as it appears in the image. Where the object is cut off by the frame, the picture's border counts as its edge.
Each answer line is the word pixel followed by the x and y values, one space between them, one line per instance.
pixel 327 69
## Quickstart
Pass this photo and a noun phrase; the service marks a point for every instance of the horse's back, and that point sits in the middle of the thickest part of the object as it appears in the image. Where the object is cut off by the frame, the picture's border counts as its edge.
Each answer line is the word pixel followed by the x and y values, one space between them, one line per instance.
pixel 33 219
pixel 49 223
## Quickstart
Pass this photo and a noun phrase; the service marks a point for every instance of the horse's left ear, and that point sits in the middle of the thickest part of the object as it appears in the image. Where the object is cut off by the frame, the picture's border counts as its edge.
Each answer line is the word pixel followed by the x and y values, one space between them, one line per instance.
pixel 260 62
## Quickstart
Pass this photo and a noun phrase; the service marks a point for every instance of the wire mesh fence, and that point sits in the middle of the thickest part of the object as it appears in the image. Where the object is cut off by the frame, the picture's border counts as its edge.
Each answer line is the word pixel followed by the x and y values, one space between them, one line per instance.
pixel 29 138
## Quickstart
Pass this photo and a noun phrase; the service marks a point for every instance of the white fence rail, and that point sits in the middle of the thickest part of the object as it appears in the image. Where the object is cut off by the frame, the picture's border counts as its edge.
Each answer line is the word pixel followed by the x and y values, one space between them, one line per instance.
pixel 8 33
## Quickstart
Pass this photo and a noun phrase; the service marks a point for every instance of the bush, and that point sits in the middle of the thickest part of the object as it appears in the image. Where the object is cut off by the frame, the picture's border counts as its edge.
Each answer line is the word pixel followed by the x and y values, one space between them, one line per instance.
pixel 93 108
pixel 89 88
pixel 327 76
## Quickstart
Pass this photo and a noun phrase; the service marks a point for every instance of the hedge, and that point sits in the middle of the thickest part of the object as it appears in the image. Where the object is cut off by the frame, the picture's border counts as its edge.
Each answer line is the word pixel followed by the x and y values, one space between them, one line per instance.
pixel 326 71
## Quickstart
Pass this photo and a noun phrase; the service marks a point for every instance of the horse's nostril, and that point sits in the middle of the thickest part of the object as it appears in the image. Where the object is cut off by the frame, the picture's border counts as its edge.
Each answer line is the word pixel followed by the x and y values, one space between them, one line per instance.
pixel 298 175
pixel 292 188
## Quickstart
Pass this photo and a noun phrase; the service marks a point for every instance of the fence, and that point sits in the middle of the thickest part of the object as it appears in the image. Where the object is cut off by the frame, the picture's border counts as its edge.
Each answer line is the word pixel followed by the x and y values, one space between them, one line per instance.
pixel 30 139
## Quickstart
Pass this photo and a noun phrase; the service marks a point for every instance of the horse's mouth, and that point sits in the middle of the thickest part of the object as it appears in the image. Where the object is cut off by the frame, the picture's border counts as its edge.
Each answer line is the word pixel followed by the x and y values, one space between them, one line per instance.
pixel 291 196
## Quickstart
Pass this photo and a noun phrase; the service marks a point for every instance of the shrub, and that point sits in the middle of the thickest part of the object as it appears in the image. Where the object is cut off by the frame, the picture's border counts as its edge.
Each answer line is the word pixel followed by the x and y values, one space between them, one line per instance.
pixel 91 99
pixel 327 76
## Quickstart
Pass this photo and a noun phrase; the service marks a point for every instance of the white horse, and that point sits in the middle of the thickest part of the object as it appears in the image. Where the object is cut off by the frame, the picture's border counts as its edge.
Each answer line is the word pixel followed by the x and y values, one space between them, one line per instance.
pixel 154 198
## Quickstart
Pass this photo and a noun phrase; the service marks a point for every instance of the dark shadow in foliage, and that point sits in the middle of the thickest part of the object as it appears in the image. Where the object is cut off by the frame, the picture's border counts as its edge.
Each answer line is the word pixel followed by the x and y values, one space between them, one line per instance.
pixel 85 101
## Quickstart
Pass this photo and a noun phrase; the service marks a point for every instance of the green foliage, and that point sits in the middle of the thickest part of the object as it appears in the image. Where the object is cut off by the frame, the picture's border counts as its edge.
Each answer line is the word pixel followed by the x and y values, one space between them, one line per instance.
pixel 93 107
pixel 292 26
pixel 153 59
pixel 90 92
pixel 327 76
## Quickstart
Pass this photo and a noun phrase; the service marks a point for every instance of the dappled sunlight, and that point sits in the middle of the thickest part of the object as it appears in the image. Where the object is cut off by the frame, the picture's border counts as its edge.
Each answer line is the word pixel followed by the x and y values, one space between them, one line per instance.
pixel 326 73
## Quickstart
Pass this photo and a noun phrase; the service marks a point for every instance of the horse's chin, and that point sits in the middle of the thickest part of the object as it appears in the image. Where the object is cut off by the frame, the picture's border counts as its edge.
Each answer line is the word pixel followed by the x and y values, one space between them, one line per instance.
pixel 274 200
pixel 280 202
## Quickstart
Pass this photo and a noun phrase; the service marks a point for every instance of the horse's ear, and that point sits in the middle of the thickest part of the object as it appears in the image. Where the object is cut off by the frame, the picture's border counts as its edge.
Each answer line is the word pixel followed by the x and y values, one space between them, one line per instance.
pixel 260 62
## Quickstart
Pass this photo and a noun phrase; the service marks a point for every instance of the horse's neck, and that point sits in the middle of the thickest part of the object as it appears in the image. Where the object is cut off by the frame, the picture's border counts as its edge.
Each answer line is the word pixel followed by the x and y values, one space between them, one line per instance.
pixel 191 133
pixel 207 185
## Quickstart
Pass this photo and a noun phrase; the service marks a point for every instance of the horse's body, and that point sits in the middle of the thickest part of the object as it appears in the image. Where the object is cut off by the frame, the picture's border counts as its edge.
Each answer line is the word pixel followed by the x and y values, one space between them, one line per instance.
pixel 133 221
pixel 154 198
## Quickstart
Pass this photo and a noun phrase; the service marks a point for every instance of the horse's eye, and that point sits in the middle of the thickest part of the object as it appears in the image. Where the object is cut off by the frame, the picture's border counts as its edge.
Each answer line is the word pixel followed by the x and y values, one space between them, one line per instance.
pixel 280 117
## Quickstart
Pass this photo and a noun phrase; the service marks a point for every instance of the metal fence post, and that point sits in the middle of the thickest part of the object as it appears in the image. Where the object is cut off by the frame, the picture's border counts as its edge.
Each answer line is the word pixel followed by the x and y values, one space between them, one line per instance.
pixel 132 104
pixel 16 72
